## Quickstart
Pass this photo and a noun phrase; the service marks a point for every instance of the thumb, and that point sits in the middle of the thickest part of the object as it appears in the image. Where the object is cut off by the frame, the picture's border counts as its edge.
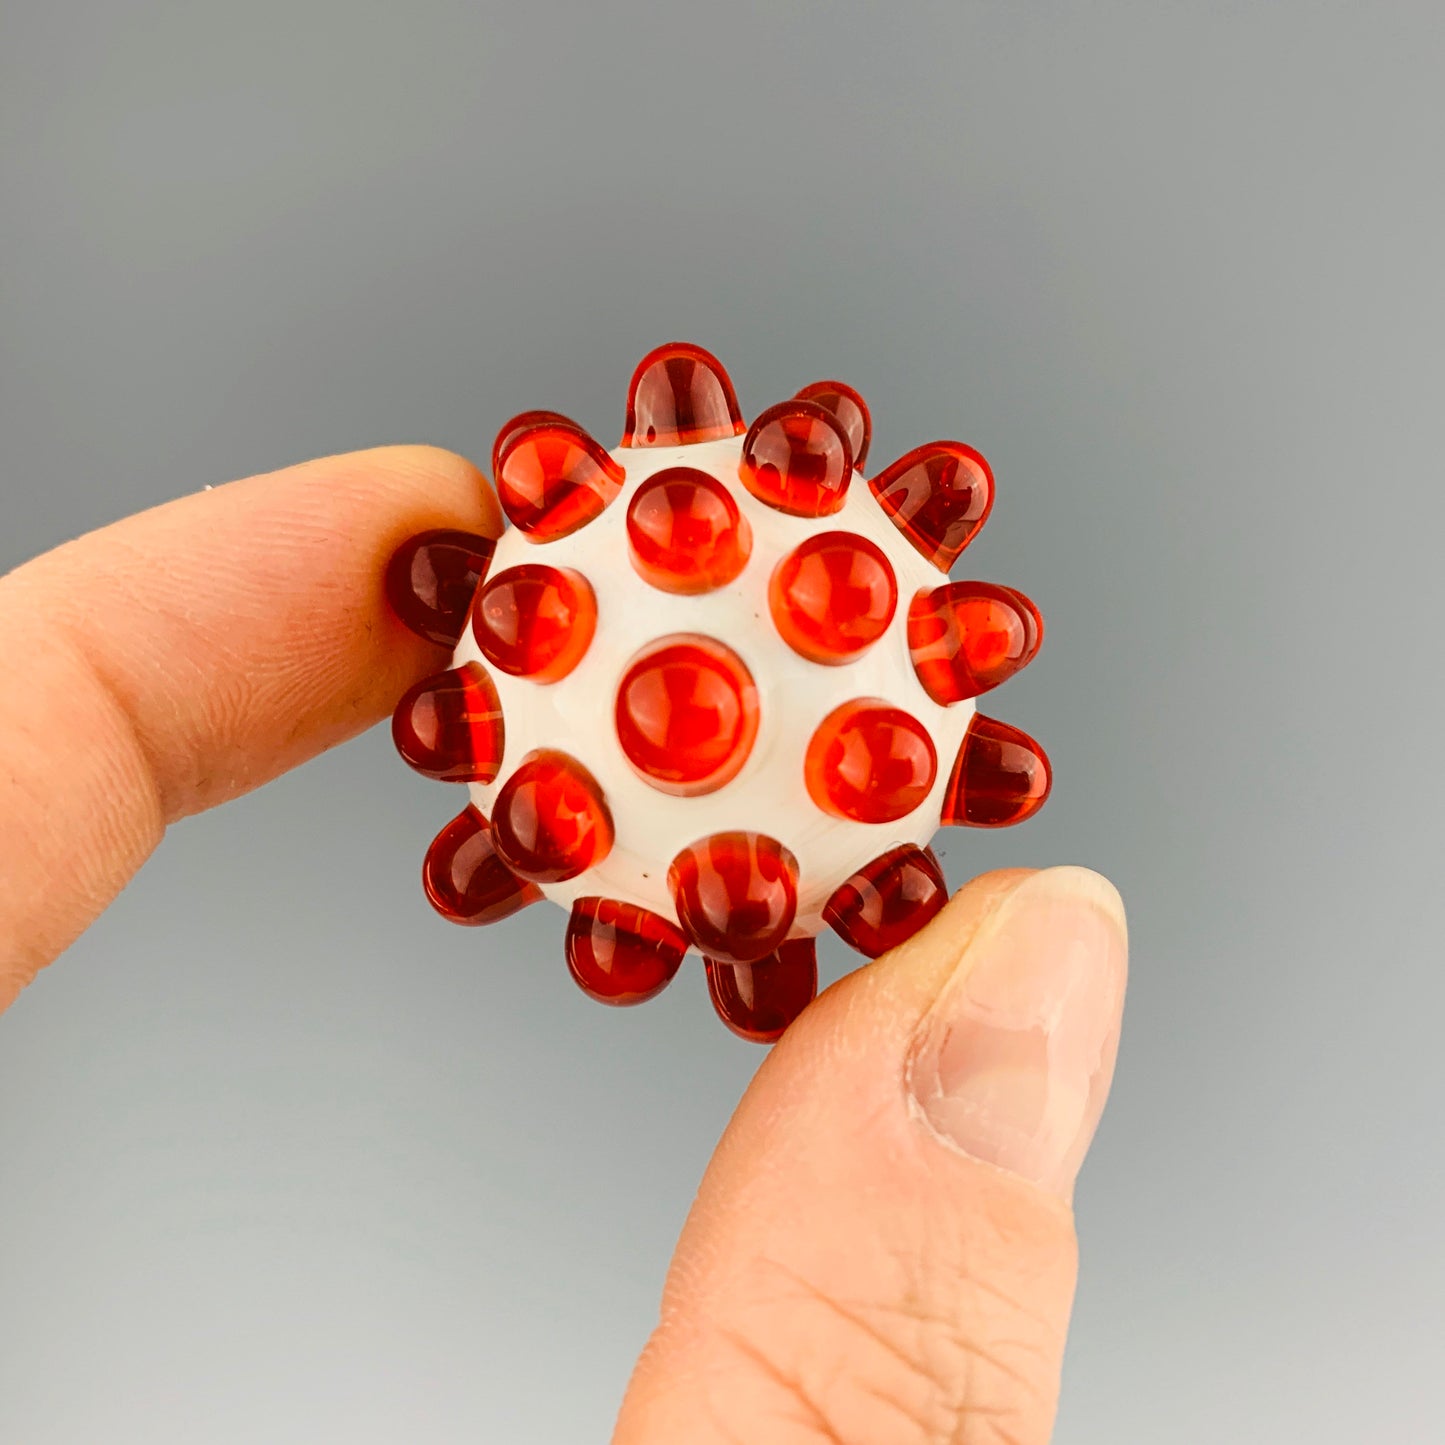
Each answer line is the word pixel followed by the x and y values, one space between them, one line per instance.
pixel 883 1246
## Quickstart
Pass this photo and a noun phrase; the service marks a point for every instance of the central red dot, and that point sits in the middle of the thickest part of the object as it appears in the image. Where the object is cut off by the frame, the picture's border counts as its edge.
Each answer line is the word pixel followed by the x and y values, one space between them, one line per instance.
pixel 685 532
pixel 832 596
pixel 687 714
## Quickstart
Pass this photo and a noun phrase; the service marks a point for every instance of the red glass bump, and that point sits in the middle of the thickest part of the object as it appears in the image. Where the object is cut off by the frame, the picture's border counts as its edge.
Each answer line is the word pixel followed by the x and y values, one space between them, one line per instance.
pixel 680 394
pixel 796 458
pixel 758 1000
pixel 1001 777
pixel 550 821
pixel 619 953
pixel 850 409
pixel 535 621
pixel 736 894
pixel 464 879
pixel 449 726
pixel 870 761
pixel 938 496
pixel 968 637
pixel 832 597
pixel 888 900
pixel 686 714
pixel 432 578
pixel 685 532
pixel 552 478
pixel 524 421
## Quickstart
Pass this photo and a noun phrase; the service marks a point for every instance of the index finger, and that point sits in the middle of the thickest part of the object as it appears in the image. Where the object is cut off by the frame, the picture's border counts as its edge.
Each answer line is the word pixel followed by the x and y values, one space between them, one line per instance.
pixel 188 654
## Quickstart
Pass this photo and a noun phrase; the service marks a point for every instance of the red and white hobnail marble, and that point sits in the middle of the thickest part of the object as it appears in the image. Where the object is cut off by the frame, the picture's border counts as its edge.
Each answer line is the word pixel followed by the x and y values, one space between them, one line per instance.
pixel 714 689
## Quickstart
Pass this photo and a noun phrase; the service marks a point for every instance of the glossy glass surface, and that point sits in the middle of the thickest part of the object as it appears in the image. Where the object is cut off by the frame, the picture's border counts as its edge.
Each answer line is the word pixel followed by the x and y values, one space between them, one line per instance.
pixel 464 879
pixel 851 411
pixel 832 597
pixel 535 621
pixel 796 458
pixel 870 762
pixel 680 394
pixel 888 900
pixel 968 637
pixel 938 495
pixel 432 578
pixel 687 714
pixel 449 726
pixel 552 478
pixel 736 894
pixel 550 820
pixel 758 1000
pixel 685 533
pixel 619 953
pixel 1001 777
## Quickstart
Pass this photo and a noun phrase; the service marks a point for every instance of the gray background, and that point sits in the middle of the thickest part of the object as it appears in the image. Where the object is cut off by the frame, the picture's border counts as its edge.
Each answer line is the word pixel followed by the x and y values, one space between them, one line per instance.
pixel 286 1158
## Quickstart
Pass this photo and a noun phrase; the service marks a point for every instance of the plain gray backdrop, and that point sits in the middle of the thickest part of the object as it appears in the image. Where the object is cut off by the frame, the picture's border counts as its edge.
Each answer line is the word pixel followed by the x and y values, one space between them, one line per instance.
pixel 285 1158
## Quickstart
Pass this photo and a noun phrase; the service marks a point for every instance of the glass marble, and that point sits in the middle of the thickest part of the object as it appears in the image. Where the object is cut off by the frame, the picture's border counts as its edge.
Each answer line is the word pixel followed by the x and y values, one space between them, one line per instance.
pixel 535 621
pixel 832 597
pixel 685 532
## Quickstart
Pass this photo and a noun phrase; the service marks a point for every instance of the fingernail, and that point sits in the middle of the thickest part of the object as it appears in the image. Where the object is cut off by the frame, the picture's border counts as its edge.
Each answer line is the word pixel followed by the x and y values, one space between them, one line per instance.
pixel 1013 1061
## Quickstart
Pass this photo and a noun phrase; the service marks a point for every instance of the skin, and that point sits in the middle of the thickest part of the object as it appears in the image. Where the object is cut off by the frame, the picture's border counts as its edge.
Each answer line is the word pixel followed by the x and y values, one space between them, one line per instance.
pixel 852 1271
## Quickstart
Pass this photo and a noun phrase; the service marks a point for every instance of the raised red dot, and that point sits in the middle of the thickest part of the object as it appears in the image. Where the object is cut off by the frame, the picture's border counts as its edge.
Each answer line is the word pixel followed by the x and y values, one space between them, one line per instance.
pixel 525 421
pixel 796 458
pixel 449 726
pixel 1001 777
pixel 758 1000
pixel 550 821
pixel 432 578
pixel 832 596
pixel 967 637
pixel 870 762
pixel 619 953
pixel 938 496
pixel 850 409
pixel 464 879
pixel 535 621
pixel 552 478
pixel 736 894
pixel 680 394
pixel 687 714
pixel 685 533
pixel 888 900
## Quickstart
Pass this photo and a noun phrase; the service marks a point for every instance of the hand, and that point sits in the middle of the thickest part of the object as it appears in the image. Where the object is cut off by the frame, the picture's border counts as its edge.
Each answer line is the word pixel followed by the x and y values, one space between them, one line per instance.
pixel 882 1248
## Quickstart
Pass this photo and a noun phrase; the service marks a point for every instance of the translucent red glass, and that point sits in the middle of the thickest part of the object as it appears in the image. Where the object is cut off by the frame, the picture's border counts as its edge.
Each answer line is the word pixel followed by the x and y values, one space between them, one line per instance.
pixel 525 421
pixel 535 621
pixel 552 478
pixel 449 726
pixel 550 820
pixel 967 637
pixel 432 578
pixel 464 879
pixel 685 533
pixel 680 394
pixel 870 761
pixel 736 894
pixel 619 953
pixel 687 714
pixel 938 495
pixel 1001 777
pixel 850 409
pixel 832 596
pixel 796 458
pixel 888 900
pixel 758 1000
